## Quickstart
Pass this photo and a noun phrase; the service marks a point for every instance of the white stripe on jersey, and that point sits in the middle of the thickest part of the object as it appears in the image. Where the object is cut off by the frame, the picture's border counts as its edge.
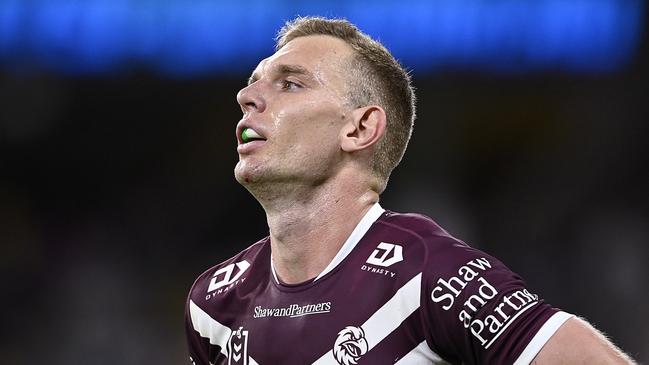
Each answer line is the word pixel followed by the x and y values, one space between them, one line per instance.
pixel 421 355
pixel 361 228
pixel 542 336
pixel 209 328
pixel 385 320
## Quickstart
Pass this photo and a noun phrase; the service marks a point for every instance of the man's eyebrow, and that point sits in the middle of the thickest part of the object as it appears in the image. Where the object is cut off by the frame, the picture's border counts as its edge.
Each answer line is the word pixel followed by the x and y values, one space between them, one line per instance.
pixel 293 69
pixel 284 69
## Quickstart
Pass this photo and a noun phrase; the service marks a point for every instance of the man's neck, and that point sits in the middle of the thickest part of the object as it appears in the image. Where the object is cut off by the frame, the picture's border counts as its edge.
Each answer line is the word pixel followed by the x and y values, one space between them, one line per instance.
pixel 307 232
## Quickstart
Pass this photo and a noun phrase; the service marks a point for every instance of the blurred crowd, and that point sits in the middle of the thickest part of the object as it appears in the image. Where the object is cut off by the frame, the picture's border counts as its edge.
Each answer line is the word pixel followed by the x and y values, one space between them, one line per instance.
pixel 116 192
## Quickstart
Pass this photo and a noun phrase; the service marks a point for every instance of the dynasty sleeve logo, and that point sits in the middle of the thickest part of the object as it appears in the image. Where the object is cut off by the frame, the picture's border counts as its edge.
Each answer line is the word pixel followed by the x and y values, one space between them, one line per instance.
pixel 226 277
pixel 390 254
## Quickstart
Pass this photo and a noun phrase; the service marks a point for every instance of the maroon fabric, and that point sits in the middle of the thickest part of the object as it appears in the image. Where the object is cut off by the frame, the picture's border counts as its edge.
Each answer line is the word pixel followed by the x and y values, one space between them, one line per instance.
pixel 472 309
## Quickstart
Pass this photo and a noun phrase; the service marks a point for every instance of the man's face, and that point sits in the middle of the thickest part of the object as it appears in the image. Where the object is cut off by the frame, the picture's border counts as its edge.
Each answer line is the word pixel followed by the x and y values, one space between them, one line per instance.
pixel 293 111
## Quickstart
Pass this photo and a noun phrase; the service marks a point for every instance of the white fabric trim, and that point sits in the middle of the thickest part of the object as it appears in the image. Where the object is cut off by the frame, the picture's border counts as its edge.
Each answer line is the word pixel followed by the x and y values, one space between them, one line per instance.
pixel 209 328
pixel 387 318
pixel 272 269
pixel 421 355
pixel 510 321
pixel 541 338
pixel 361 228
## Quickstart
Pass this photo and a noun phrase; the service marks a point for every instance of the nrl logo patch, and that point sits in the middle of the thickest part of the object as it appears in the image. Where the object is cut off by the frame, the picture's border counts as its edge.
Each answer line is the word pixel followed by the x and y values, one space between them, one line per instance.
pixel 238 347
pixel 350 345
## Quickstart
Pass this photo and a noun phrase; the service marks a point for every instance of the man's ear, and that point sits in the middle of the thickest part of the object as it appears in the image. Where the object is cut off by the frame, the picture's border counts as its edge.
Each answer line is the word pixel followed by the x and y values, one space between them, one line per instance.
pixel 364 129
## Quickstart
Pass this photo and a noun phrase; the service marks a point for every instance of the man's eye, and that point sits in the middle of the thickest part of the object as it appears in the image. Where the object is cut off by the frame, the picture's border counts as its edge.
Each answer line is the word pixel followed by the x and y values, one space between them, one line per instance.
pixel 289 85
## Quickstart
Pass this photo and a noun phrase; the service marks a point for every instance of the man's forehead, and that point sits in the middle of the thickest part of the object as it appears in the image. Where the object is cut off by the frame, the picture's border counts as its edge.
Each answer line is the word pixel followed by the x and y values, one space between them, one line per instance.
pixel 310 52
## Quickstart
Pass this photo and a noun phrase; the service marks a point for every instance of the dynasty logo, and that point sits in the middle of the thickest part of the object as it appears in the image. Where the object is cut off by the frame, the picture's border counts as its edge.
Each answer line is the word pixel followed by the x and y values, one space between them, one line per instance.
pixel 384 256
pixel 227 277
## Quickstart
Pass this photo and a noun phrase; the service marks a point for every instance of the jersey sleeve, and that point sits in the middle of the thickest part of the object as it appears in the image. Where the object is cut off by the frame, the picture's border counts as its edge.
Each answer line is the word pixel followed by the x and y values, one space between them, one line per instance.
pixel 198 346
pixel 477 311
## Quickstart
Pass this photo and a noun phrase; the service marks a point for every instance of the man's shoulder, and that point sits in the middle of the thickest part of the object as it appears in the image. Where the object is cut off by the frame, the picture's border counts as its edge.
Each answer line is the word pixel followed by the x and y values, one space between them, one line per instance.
pixel 438 249
pixel 417 228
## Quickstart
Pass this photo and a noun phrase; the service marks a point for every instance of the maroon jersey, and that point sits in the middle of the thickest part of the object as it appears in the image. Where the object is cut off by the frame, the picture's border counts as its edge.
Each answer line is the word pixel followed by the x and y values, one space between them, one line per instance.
pixel 401 290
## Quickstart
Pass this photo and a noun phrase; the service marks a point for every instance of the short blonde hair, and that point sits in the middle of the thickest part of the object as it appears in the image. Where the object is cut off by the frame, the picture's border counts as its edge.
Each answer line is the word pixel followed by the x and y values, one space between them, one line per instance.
pixel 377 78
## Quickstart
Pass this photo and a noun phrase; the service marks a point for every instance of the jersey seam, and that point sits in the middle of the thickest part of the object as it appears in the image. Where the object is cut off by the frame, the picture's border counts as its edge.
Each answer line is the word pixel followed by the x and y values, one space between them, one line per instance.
pixel 420 237
pixel 422 313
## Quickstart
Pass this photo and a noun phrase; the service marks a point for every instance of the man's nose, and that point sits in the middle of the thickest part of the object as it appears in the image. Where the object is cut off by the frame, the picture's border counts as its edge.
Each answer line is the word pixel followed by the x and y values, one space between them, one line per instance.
pixel 251 99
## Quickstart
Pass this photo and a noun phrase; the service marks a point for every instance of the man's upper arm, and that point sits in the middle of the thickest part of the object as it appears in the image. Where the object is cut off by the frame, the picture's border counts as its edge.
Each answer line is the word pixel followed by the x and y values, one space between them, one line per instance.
pixel 577 342
pixel 478 311
pixel 197 345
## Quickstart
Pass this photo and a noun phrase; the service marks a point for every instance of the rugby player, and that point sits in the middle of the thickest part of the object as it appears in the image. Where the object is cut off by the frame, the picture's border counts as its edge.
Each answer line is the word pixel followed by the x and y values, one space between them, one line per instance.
pixel 340 280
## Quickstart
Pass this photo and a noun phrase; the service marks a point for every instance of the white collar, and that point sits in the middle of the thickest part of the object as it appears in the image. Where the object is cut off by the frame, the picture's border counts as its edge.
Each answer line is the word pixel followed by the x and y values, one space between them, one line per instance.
pixel 361 228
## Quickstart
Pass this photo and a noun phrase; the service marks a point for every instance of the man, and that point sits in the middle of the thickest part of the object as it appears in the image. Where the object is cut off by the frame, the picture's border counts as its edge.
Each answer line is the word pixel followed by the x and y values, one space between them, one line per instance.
pixel 340 280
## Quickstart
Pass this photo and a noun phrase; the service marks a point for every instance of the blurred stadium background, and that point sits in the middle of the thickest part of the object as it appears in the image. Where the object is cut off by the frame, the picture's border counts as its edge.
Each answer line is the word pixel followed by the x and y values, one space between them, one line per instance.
pixel 117 147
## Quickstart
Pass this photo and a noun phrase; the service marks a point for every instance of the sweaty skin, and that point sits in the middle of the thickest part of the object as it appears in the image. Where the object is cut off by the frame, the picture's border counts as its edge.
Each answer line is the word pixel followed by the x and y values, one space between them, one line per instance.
pixel 312 189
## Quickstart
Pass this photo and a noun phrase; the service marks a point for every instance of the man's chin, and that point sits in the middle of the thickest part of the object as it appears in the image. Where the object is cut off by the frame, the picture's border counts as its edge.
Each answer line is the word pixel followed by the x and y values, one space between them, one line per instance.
pixel 245 174
pixel 242 177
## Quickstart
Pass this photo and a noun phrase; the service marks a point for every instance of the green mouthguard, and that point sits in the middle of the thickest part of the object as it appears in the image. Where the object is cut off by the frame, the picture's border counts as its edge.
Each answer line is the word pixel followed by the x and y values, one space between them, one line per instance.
pixel 244 135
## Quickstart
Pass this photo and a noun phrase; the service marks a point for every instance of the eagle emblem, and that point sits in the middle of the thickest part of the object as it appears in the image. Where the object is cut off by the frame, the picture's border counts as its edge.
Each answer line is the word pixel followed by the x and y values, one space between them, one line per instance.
pixel 350 345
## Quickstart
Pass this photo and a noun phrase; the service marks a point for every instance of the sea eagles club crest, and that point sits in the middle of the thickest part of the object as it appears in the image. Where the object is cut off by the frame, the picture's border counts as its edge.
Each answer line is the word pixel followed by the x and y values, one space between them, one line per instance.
pixel 350 345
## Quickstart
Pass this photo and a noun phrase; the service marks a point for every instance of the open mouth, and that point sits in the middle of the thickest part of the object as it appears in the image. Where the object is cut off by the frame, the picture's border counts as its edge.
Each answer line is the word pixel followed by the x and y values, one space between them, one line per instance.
pixel 249 135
